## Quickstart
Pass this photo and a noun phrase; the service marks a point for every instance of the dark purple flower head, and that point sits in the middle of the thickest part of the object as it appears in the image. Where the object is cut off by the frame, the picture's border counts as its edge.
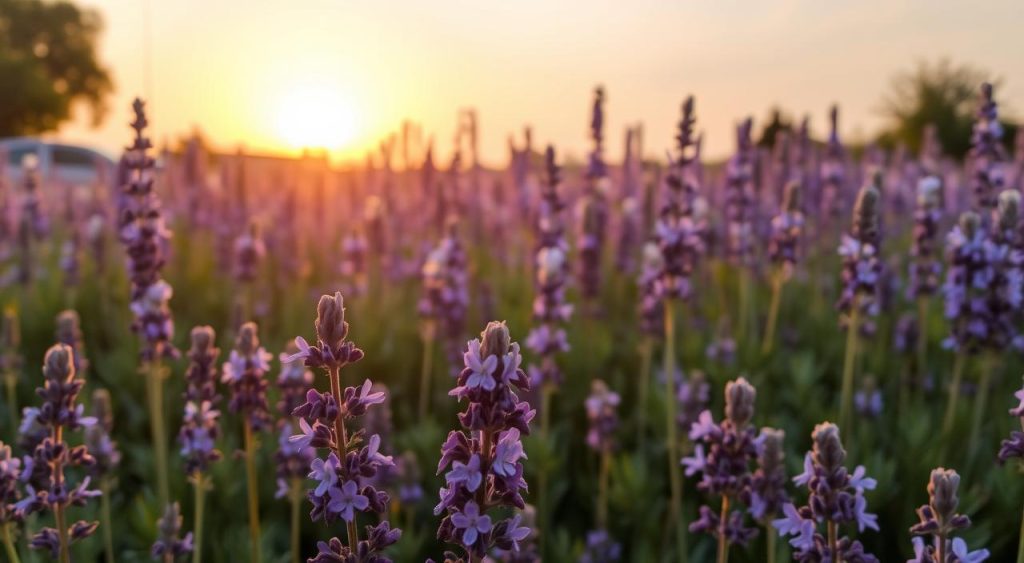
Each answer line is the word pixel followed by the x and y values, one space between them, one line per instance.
pixel 201 374
pixel 249 254
pixel 835 496
pixel 332 350
pixel 483 460
pixel 787 230
pixel 69 333
pixel 97 436
pixel 198 436
pixel 601 407
pixel 939 518
pixel 10 472
pixel 986 152
pixel 245 374
pixel 862 264
pixel 723 455
pixel 925 267
pixel 169 544
pixel 739 196
pixel 768 484
pixel 833 170
pixel 445 299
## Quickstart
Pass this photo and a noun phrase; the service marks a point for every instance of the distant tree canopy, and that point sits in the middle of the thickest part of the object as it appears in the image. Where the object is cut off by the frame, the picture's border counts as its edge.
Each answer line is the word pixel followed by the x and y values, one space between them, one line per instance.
pixel 944 94
pixel 47 64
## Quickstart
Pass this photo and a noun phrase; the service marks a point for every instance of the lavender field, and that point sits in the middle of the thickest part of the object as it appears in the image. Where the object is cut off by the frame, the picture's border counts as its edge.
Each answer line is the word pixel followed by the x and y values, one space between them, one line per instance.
pixel 808 350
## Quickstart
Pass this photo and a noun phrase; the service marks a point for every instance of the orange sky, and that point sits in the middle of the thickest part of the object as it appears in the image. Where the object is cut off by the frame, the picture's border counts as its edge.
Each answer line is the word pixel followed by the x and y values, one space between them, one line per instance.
pixel 277 74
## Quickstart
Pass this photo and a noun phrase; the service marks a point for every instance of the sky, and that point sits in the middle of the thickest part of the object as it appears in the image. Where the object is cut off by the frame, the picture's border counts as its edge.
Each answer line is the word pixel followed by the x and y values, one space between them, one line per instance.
pixel 278 75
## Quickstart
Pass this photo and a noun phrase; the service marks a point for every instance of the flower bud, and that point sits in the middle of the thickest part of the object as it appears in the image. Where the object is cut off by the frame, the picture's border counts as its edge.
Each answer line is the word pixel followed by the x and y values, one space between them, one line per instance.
pixel 772 452
pixel 828 449
pixel 203 338
pixel 739 402
pixel 495 340
pixel 248 340
pixel 331 327
pixel 58 364
pixel 942 488
pixel 1008 211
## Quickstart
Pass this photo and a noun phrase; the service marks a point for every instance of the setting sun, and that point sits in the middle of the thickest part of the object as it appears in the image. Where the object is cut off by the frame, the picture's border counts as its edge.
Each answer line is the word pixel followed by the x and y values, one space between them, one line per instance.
pixel 316 116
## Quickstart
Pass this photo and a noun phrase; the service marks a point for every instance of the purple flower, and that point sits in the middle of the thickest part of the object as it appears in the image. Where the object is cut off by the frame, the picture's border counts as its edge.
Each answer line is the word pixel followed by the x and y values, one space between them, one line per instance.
pixel 346 500
pixel 245 373
pixel 466 474
pixel 470 520
pixel 601 406
pixel 1014 445
pixel 169 545
pixel 508 453
pixel 326 472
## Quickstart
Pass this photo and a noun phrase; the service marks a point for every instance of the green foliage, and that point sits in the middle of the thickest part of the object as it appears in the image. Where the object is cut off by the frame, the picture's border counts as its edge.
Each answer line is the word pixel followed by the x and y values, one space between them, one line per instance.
pixel 48 64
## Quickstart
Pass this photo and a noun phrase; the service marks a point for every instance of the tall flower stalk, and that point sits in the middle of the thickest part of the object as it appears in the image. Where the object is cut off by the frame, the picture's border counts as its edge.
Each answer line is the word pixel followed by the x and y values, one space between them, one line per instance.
pixel 482 460
pixel 292 460
pixel 784 251
pixel 353 457
pixel 925 266
pixel 1013 448
pixel 739 213
pixel 245 374
pixel 768 485
pixel 47 485
pixel 593 207
pixel 858 301
pixel 145 239
pixel 601 408
pixel 200 426
pixel 679 233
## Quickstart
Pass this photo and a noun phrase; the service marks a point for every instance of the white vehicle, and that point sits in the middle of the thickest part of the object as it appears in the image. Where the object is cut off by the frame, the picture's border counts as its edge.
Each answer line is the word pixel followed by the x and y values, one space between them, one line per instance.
pixel 57 163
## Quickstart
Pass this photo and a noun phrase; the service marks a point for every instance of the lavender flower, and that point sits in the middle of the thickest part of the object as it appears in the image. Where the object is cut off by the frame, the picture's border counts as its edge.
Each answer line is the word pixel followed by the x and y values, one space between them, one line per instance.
pixel 651 309
pixel 986 153
pixel 592 209
pixel 249 254
pixel 693 393
pixel 201 374
pixel 145 237
pixel 352 458
pixel 680 229
pixel 867 401
pixel 245 374
pixel 48 487
pixel 69 333
pixel 445 299
pixel 768 484
pixel 725 467
pixel 353 265
pixel 787 231
pixel 601 406
pixel 484 457
pixel 862 264
pixel 10 472
pixel 198 436
pixel 925 267
pixel 939 519
pixel 1014 445
pixel 739 198
pixel 169 546
pixel 32 225
pixel 293 382
pixel 971 271
pixel 600 548
pixel 550 309
pixel 97 436
pixel 836 498
pixel 833 170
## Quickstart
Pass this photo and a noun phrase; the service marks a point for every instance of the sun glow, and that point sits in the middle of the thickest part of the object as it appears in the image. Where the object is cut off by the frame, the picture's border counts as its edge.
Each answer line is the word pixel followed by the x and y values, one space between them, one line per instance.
pixel 316 116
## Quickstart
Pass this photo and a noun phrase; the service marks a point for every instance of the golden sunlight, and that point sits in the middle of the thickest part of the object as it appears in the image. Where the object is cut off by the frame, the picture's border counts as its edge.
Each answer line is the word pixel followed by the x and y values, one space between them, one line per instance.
pixel 316 116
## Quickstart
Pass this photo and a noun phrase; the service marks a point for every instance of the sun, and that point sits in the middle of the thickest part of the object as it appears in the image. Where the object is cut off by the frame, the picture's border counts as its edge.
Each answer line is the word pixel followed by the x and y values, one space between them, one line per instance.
pixel 316 116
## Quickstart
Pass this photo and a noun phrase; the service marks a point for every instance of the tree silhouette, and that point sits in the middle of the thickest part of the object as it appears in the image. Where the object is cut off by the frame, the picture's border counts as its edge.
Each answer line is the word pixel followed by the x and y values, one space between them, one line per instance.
pixel 48 63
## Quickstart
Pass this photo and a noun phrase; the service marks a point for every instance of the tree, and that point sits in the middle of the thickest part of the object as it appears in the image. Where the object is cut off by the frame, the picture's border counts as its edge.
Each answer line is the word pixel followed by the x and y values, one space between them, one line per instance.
pixel 48 64
pixel 943 94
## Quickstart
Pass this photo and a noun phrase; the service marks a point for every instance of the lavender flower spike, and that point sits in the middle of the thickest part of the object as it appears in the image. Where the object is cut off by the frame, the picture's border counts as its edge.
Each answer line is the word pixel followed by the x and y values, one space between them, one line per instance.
pixel 939 519
pixel 836 498
pixel 353 459
pixel 169 547
pixel 47 484
pixel 484 457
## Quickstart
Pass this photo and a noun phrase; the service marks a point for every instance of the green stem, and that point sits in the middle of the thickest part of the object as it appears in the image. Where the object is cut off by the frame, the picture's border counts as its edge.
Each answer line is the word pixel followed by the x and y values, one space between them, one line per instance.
pixel 542 477
pixel 602 490
pixel 671 443
pixel 58 509
pixel 296 523
pixel 155 394
pixel 980 398
pixel 11 383
pixel 723 541
pixel 922 337
pixel 770 539
pixel 849 367
pixel 425 369
pixel 646 349
pixel 12 553
pixel 741 315
pixel 341 443
pixel 1020 544
pixel 105 524
pixel 200 486
pixel 833 539
pixel 954 394
pixel 254 492
pixel 773 314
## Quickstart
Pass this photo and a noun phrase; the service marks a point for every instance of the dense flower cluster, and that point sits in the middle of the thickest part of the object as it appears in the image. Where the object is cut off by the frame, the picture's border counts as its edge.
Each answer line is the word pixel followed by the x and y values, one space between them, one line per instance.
pixel 601 408
pixel 245 374
pixel 592 209
pixel 352 458
pixel 862 263
pixel 986 153
pixel 550 309
pixel 836 497
pixel 786 231
pixel 47 485
pixel 445 299
pixel 723 456
pixel 145 238
pixel 739 197
pixel 939 519
pixel 925 267
pixel 482 460
pixel 680 229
